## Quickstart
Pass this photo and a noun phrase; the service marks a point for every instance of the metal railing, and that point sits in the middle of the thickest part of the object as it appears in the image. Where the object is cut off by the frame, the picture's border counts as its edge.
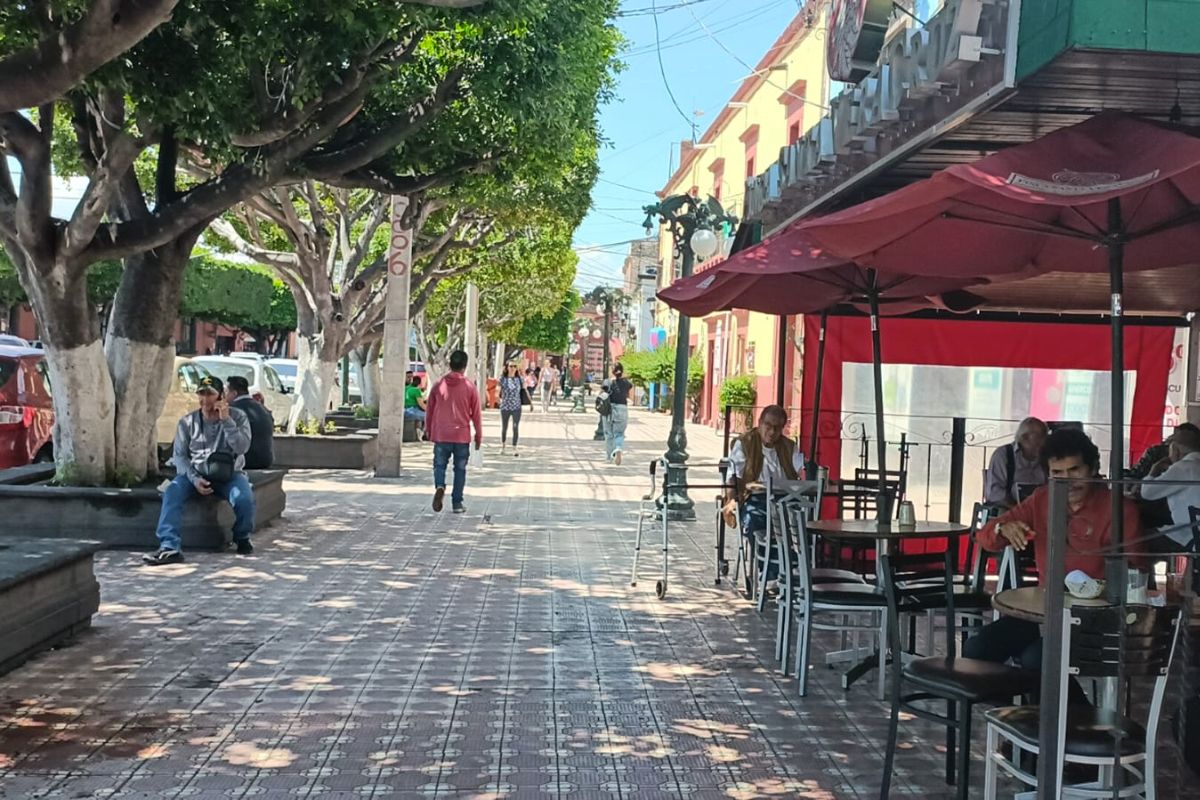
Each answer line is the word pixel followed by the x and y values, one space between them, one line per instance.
pixel 923 447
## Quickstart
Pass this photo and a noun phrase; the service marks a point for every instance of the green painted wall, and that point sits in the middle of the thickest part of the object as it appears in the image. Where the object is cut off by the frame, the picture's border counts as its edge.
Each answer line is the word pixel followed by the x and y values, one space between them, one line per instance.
pixel 1049 27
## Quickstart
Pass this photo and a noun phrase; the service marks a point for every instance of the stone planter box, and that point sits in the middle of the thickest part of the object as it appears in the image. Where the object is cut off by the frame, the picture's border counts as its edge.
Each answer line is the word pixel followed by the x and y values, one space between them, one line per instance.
pixel 48 593
pixel 127 518
pixel 356 424
pixel 328 451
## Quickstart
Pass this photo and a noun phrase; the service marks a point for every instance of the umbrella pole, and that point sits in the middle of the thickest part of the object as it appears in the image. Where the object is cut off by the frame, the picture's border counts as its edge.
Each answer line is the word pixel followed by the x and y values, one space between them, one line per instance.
pixel 1116 568
pixel 1116 278
pixel 816 409
pixel 781 363
pixel 884 503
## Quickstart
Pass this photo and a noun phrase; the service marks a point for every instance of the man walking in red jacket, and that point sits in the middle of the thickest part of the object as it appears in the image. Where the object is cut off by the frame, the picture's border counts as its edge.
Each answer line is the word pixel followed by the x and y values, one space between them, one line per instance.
pixel 452 407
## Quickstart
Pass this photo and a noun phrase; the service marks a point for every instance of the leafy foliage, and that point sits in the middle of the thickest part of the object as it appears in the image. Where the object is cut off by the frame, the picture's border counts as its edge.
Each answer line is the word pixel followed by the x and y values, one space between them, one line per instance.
pixel 741 392
pixel 643 367
pixel 551 333
pixel 238 295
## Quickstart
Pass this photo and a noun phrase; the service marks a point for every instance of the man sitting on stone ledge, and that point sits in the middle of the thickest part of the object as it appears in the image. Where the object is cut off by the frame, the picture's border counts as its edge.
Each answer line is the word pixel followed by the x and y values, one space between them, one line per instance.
pixel 209 457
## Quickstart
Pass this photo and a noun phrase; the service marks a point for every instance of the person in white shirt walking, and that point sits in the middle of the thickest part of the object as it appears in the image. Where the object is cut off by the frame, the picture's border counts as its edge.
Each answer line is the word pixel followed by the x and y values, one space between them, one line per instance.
pixel 549 380
pixel 1184 457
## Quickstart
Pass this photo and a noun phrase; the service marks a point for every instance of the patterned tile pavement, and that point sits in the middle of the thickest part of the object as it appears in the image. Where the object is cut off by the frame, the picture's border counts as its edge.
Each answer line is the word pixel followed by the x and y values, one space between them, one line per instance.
pixel 374 649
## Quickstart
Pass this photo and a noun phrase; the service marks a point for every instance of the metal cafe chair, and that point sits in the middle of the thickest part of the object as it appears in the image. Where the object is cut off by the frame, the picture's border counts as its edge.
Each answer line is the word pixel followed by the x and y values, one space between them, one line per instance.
pixel 914 583
pixel 859 605
pixel 1098 643
pixel 805 503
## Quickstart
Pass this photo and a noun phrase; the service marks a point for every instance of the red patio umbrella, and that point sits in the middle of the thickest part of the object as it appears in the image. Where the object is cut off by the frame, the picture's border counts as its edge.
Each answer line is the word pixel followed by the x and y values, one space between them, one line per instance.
pixel 1113 193
pixel 787 274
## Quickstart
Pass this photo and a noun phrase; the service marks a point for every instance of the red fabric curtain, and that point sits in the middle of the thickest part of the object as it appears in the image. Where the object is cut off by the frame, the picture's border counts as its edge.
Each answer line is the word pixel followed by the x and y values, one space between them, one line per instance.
pixel 976 343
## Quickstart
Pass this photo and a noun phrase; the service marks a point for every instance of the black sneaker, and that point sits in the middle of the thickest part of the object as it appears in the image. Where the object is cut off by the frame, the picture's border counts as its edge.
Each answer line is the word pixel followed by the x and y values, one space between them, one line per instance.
pixel 459 509
pixel 162 557
pixel 244 548
pixel 438 495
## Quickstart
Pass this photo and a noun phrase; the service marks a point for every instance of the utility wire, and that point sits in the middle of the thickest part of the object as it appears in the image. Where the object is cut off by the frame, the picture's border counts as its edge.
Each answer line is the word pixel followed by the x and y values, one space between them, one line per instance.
pixel 752 69
pixel 673 40
pixel 663 71
pixel 635 12
pixel 627 186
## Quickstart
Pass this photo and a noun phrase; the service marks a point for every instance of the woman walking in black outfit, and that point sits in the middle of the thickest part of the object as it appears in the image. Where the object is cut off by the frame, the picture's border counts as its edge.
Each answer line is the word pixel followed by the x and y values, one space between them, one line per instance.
pixel 512 395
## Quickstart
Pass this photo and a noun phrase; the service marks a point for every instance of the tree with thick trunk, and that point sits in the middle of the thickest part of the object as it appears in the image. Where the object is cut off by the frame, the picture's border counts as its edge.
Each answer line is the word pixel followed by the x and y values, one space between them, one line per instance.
pixel 329 246
pixel 240 100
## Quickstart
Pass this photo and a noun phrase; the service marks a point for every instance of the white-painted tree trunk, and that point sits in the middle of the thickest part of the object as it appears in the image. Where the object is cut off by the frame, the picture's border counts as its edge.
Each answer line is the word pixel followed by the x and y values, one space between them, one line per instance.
pixel 84 412
pixel 314 382
pixel 368 373
pixel 141 377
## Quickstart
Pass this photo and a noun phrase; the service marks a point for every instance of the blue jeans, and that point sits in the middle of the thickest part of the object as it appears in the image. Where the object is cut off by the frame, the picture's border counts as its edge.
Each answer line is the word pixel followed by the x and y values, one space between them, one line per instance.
pixel 237 492
pixel 441 459
pixel 415 413
pixel 614 429
pixel 1019 640
pixel 753 522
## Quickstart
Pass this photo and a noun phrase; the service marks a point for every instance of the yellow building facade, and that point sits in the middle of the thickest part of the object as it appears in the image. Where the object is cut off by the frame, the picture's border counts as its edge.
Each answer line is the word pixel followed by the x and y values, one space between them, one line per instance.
pixel 786 94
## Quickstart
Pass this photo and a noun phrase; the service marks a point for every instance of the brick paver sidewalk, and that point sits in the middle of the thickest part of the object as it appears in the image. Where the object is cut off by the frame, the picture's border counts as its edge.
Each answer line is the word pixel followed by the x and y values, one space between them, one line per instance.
pixel 372 648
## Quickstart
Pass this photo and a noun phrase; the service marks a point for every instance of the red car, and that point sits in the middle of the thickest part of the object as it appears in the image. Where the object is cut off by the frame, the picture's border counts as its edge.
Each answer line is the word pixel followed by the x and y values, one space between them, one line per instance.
pixel 26 410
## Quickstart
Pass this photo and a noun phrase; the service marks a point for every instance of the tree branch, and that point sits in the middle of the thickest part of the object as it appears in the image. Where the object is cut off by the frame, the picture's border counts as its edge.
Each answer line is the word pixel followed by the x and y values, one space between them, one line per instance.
pixel 372 147
pixel 113 164
pixel 62 59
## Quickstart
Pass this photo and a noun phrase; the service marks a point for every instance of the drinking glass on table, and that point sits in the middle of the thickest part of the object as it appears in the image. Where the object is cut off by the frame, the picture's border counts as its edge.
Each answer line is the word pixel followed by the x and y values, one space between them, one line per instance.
pixel 1138 583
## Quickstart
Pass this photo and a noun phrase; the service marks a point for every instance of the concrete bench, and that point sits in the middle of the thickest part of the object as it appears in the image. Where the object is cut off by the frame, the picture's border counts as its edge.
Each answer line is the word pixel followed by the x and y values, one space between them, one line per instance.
pixel 48 593
pixel 326 451
pixel 127 518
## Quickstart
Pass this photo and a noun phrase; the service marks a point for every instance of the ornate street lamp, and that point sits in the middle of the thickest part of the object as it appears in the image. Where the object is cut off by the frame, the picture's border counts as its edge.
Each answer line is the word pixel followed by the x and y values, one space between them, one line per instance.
pixel 692 223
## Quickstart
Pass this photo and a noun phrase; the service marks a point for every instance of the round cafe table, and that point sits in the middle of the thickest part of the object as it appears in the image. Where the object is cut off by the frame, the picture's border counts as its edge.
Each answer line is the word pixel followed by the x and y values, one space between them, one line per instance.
pixel 1029 603
pixel 870 533
pixel 865 531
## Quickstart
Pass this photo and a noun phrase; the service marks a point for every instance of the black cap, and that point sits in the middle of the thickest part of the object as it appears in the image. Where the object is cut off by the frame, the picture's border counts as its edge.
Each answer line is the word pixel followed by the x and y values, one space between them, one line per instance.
pixel 210 383
pixel 239 384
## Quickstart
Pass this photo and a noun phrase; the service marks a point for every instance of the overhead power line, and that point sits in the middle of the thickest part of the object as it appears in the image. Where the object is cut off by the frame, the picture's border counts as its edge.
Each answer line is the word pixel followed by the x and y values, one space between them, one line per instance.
pixel 651 9
pixel 663 71
pixel 752 69
pixel 672 40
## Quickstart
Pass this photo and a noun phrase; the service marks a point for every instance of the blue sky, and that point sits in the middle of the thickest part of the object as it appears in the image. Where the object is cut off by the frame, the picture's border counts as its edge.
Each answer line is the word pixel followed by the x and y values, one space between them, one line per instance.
pixel 643 127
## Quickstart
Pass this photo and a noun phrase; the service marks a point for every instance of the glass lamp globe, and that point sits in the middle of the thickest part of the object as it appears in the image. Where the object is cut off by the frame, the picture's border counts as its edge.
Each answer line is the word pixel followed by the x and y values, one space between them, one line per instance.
pixel 704 244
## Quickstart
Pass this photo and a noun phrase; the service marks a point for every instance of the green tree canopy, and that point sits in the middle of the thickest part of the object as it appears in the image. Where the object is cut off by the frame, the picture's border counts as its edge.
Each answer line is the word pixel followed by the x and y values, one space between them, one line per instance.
pixel 551 333
pixel 227 292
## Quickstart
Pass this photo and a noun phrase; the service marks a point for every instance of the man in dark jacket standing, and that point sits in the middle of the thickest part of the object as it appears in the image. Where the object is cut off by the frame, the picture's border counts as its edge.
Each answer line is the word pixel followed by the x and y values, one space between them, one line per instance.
pixel 262 425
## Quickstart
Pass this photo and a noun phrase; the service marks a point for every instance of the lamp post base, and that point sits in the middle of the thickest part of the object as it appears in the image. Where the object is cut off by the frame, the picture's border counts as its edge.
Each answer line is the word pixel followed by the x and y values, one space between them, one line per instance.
pixel 598 436
pixel 679 505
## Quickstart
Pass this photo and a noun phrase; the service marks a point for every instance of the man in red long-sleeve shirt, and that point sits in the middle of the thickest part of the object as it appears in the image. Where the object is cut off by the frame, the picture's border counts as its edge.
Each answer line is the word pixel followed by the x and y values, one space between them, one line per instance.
pixel 1067 453
pixel 452 407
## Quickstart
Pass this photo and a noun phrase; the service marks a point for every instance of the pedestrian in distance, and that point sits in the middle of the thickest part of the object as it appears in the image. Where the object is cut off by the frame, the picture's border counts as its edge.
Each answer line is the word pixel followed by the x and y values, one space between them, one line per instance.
pixel 548 378
pixel 512 397
pixel 209 458
pixel 450 411
pixel 617 420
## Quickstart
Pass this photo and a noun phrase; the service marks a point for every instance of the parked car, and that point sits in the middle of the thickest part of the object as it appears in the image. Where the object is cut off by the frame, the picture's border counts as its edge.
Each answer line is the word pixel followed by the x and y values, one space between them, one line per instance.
pixel 286 369
pixel 249 355
pixel 13 341
pixel 181 398
pixel 26 408
pixel 265 385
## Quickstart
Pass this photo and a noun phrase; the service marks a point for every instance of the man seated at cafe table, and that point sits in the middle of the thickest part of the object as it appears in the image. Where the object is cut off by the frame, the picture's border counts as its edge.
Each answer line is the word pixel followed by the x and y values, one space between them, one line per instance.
pixel 1183 464
pixel 758 453
pixel 1016 464
pixel 1067 453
